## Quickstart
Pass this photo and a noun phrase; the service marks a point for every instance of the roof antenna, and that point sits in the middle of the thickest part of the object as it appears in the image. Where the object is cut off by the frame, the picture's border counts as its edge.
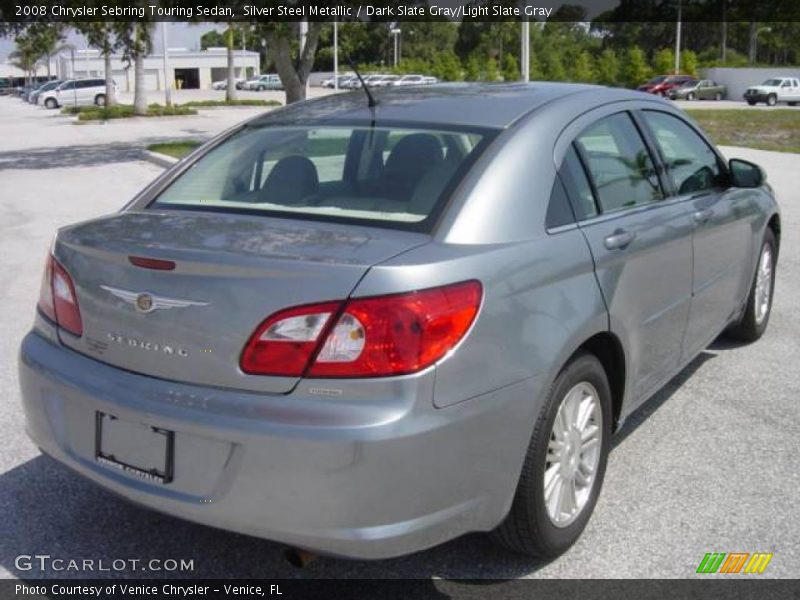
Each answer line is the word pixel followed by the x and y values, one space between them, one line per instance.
pixel 371 102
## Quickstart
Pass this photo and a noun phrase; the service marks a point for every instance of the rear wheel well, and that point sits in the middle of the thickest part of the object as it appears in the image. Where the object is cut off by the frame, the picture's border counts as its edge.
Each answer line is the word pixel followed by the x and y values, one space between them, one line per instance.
pixel 775 225
pixel 608 350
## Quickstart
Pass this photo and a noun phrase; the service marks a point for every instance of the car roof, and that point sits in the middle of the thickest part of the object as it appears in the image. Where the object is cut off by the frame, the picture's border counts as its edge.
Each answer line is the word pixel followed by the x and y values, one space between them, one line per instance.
pixel 478 105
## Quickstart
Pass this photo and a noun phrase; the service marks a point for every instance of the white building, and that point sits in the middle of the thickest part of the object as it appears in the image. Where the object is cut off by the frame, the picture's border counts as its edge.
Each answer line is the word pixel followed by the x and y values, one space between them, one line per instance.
pixel 186 69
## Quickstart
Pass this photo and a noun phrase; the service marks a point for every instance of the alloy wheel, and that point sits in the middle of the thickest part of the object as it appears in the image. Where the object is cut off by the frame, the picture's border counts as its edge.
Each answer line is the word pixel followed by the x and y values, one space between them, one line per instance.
pixel 763 294
pixel 573 454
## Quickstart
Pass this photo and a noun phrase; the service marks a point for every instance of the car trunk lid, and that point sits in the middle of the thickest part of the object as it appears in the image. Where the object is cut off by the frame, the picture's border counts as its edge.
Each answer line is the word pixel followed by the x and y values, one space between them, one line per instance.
pixel 230 273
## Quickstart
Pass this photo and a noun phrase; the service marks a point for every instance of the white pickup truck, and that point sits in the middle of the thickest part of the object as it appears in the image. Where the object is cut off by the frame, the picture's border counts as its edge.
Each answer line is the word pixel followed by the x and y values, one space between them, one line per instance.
pixel 774 90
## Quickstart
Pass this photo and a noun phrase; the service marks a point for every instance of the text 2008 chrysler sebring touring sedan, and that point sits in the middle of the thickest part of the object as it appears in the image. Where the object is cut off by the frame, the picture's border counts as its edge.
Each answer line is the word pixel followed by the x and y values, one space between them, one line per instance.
pixel 365 330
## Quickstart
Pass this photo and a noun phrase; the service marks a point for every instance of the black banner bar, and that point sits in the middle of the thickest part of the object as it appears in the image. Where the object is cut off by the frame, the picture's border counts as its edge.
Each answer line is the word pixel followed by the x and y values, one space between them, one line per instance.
pixel 612 11
pixel 713 587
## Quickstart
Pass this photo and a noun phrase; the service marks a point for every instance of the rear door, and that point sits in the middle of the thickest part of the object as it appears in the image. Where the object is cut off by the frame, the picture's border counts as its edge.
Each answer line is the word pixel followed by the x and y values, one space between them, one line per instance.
pixel 641 243
pixel 66 94
pixel 697 175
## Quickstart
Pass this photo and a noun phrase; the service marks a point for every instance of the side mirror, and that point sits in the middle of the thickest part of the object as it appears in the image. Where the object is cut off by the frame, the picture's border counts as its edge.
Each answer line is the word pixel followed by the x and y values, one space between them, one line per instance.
pixel 745 174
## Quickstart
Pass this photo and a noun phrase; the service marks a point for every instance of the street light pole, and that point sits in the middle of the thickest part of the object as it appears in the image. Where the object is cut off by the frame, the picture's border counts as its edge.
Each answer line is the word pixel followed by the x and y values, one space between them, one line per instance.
pixel 167 86
pixel 525 63
pixel 396 33
pixel 335 55
pixel 678 40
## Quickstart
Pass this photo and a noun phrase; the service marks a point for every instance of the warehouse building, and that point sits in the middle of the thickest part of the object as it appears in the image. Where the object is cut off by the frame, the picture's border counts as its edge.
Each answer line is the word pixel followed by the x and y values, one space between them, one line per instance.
pixel 186 69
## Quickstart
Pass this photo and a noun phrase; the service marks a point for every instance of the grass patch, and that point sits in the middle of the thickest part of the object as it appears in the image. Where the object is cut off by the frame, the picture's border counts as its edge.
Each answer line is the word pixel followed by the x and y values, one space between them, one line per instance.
pixel 777 129
pixel 125 111
pixel 177 149
pixel 245 102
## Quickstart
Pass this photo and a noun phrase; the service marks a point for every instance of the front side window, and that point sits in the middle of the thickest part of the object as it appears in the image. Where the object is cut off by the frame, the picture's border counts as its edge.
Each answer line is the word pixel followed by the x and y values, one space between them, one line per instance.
pixel 378 174
pixel 691 163
pixel 619 164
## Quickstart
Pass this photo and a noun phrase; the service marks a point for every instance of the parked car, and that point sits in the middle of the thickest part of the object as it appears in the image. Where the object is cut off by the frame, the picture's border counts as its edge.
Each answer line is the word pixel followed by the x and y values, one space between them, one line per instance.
pixel 33 97
pixel 223 85
pixel 705 89
pixel 430 80
pixel 6 87
pixel 410 80
pixel 384 81
pixel 343 79
pixel 663 84
pixel 76 92
pixel 774 90
pixel 264 82
pixel 371 361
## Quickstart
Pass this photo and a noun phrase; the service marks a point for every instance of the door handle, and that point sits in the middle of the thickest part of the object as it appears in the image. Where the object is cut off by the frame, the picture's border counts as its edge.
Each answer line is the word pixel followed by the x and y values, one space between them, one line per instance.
pixel 619 240
pixel 701 216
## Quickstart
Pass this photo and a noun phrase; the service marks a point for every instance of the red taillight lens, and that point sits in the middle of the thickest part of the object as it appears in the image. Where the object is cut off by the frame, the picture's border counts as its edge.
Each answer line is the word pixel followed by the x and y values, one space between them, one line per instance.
pixel 284 343
pixel 58 300
pixel 46 291
pixel 372 337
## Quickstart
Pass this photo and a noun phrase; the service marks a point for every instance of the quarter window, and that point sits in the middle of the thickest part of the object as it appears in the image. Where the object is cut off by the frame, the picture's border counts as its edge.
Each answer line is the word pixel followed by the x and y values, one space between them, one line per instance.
pixel 619 164
pixel 691 163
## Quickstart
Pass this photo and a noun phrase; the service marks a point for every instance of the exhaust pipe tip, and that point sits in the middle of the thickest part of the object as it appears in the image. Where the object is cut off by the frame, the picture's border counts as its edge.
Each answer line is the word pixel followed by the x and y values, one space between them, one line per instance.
pixel 299 559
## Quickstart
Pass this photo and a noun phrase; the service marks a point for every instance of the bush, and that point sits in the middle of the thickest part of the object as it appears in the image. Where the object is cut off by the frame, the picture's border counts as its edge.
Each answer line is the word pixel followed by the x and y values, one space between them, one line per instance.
pixel 125 111
pixel 608 68
pixel 246 102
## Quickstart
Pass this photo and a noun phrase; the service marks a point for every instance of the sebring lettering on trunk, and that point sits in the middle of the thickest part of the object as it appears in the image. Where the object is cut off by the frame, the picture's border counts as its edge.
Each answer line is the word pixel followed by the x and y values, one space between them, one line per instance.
pixel 167 349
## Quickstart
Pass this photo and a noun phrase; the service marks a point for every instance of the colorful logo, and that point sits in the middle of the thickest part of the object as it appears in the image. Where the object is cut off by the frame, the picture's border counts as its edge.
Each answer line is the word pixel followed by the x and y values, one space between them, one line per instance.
pixel 734 562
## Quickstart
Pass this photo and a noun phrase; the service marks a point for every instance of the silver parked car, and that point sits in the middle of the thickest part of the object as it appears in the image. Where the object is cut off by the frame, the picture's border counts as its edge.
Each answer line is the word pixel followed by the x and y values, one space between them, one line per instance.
pixel 364 331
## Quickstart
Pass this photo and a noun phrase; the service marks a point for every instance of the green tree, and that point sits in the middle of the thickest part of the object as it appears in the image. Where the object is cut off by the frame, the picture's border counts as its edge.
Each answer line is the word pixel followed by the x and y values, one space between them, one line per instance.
pixel 510 68
pixel 635 70
pixel 473 68
pixel 552 65
pixel 292 62
pixel 608 67
pixel 490 70
pixel 689 62
pixel 583 69
pixel 136 42
pixel 447 67
pixel 664 61
pixel 100 35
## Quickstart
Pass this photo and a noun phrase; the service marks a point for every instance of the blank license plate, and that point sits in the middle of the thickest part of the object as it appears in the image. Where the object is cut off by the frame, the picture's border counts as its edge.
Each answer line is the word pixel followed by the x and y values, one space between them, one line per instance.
pixel 140 450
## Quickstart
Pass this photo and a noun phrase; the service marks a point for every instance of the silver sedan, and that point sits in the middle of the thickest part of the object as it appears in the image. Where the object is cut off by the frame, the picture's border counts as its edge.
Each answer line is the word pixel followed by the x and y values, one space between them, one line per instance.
pixel 364 328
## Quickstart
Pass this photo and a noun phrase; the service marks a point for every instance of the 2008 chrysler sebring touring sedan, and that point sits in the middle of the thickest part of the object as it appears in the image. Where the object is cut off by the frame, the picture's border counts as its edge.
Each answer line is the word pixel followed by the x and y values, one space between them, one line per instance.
pixel 363 329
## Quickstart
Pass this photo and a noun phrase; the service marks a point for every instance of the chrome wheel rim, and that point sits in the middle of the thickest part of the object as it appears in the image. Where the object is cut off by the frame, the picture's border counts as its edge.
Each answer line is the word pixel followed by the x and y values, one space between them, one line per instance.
pixel 573 454
pixel 763 284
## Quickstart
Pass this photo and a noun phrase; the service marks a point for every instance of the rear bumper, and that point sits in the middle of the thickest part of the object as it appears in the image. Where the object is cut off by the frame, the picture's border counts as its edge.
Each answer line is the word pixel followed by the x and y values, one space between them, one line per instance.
pixel 392 478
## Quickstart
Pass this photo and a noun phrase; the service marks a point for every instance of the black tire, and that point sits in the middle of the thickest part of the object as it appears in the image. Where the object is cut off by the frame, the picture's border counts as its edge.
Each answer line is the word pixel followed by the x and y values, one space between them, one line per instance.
pixel 51 103
pixel 528 528
pixel 792 103
pixel 749 329
pixel 751 102
pixel 261 88
pixel 717 96
pixel 772 100
pixel 100 100
pixel 690 96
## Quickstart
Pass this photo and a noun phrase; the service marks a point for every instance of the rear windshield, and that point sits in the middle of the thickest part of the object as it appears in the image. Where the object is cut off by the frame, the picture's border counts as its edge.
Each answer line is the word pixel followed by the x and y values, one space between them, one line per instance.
pixel 397 177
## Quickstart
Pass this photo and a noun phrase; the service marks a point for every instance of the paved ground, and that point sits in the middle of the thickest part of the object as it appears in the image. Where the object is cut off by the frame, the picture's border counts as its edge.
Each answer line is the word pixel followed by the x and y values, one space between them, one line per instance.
pixel 713 467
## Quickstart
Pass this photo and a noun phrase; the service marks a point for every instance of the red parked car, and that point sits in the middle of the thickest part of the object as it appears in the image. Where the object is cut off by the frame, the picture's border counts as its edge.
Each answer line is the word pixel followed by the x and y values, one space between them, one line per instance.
pixel 662 84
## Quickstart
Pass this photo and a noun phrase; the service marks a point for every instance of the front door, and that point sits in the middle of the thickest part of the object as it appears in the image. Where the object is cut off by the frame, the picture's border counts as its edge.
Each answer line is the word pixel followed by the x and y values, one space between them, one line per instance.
pixel 698 176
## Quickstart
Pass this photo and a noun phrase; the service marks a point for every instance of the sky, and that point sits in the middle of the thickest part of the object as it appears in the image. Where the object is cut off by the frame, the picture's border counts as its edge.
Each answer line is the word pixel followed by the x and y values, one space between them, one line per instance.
pixel 179 35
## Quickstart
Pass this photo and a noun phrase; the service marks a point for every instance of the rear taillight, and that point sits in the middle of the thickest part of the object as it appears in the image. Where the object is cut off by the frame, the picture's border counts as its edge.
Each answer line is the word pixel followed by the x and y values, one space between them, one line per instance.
pixel 57 298
pixel 364 337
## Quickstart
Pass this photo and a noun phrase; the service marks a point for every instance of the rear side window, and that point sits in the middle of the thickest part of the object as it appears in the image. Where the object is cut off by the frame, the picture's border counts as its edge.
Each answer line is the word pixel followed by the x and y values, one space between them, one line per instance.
pixel 619 164
pixel 691 163
pixel 580 191
pixel 380 174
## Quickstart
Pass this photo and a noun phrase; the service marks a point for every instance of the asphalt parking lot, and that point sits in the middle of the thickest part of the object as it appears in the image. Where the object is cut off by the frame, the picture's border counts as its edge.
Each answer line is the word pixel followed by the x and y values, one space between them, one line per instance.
pixel 709 464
